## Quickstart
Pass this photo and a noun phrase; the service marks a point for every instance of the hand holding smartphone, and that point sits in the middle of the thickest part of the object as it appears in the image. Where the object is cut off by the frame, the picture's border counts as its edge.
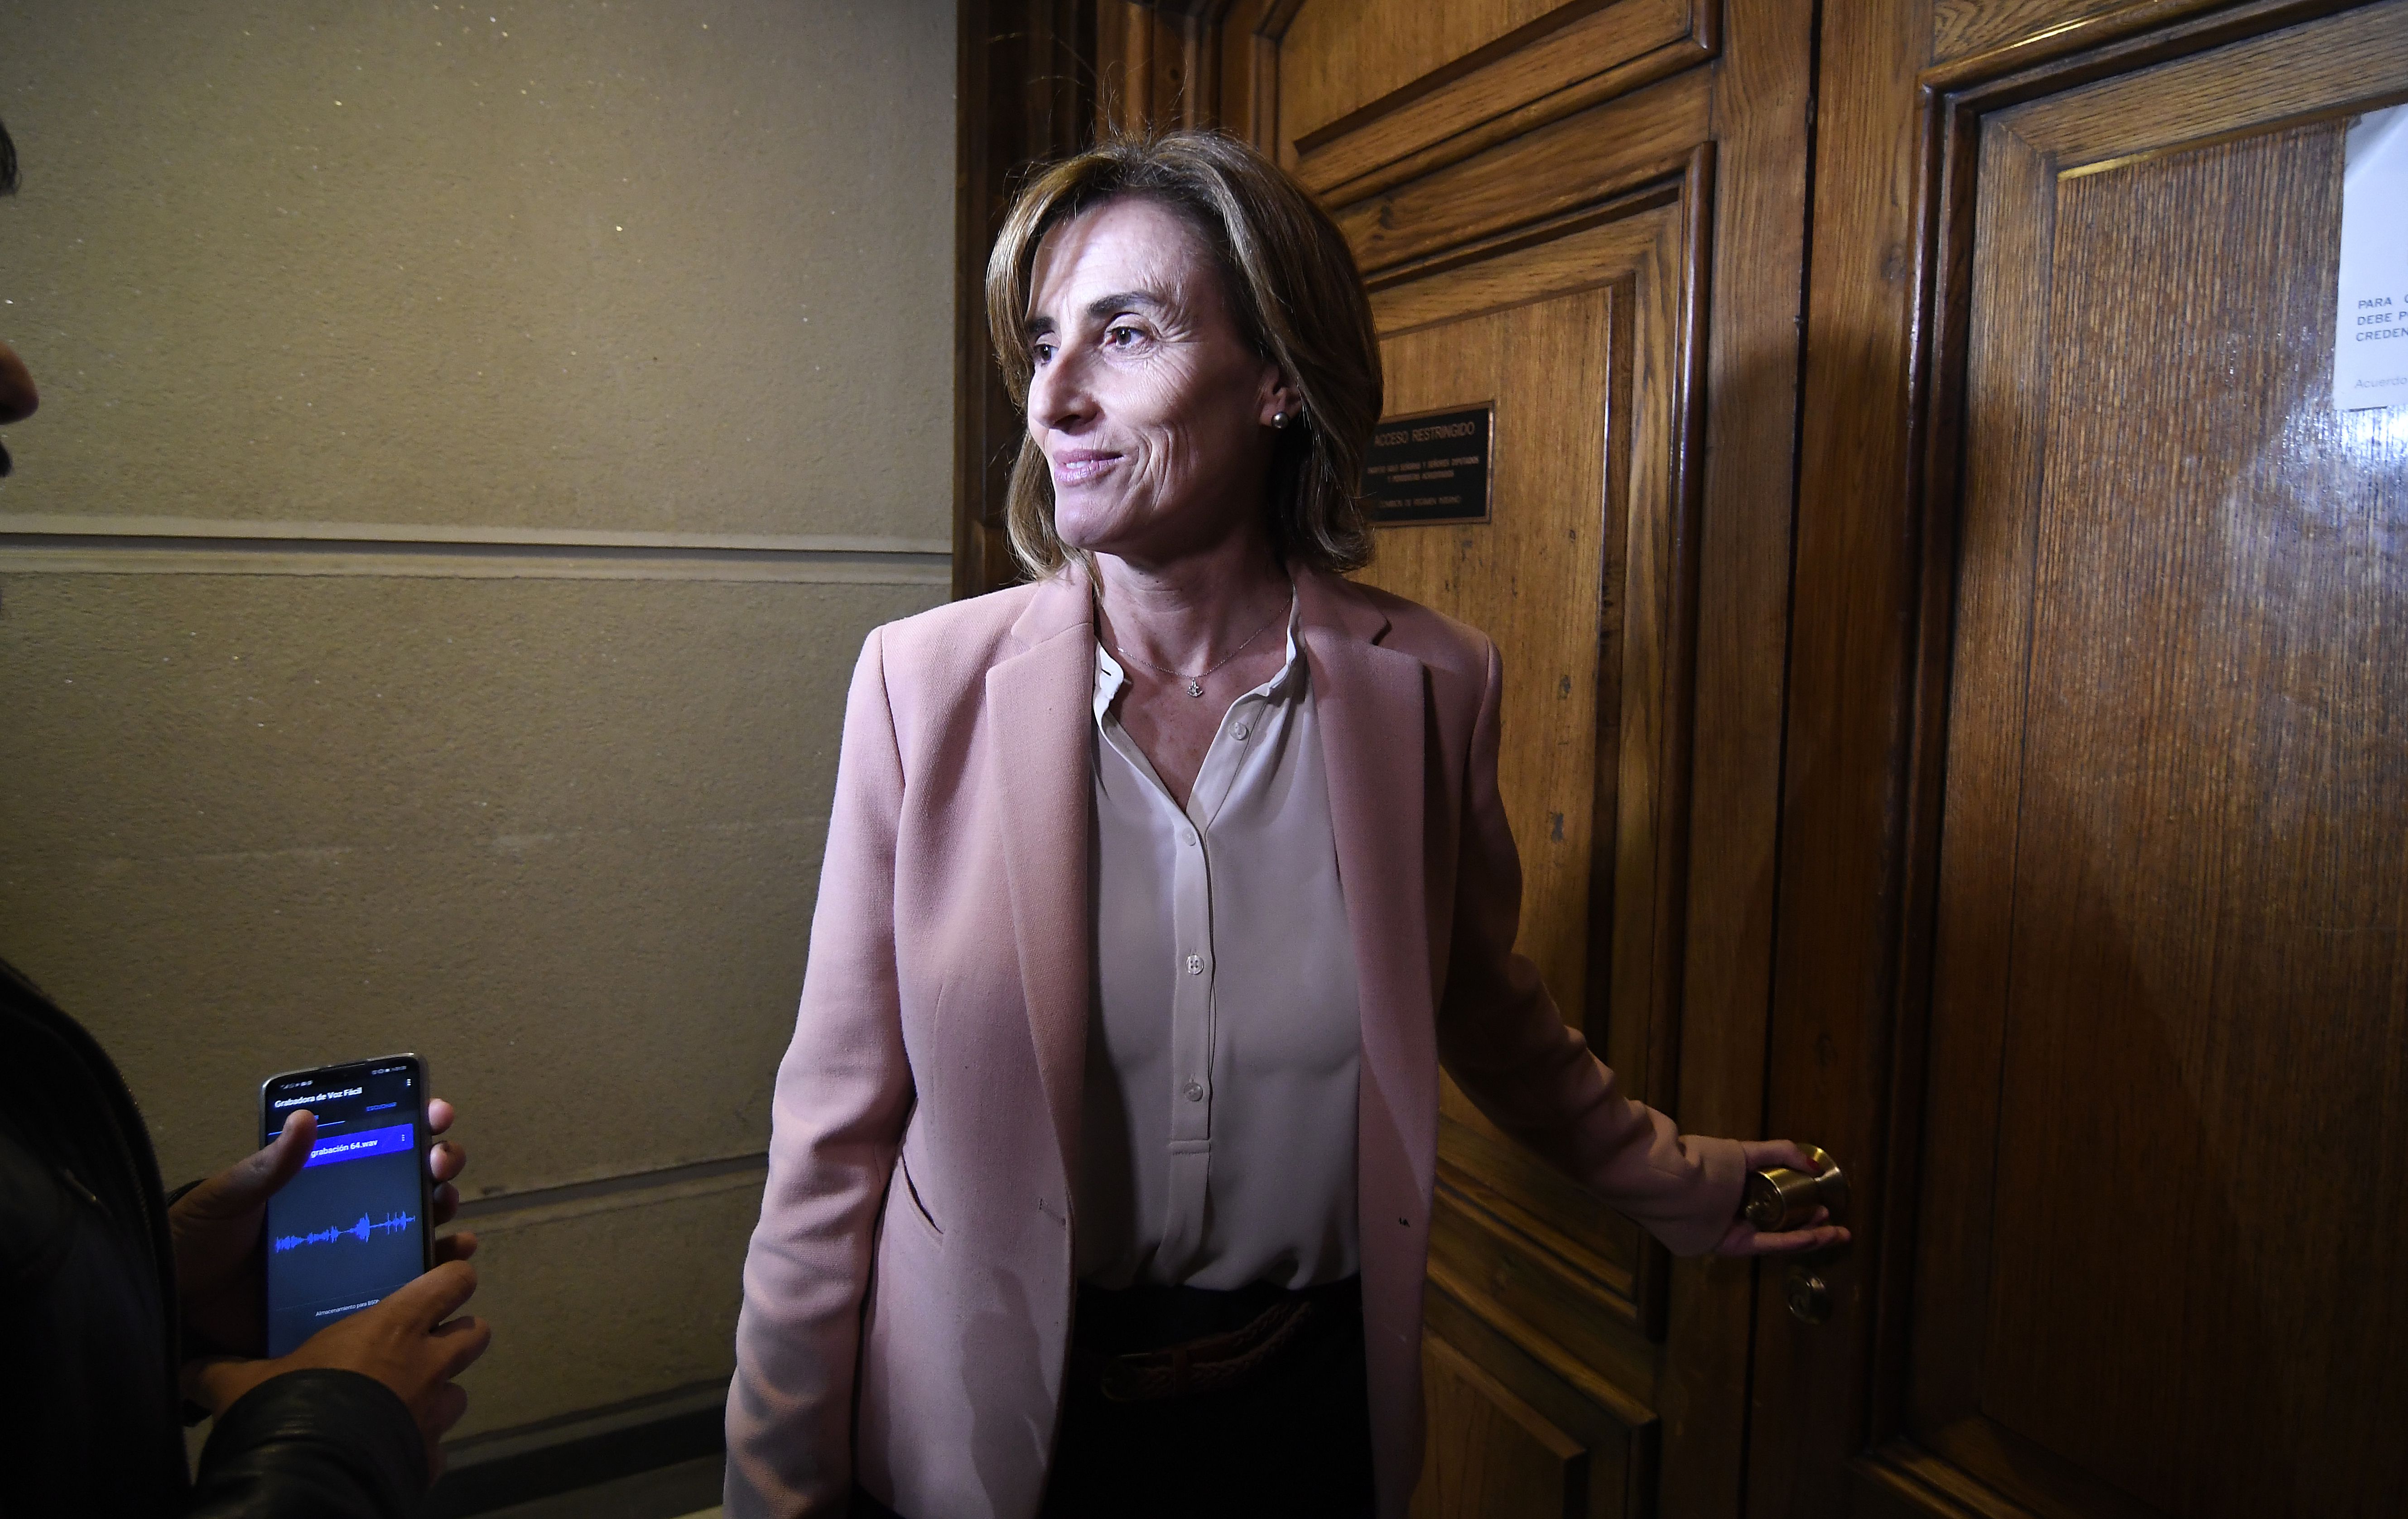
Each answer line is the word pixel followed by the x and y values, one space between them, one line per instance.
pixel 317 1249
pixel 353 1224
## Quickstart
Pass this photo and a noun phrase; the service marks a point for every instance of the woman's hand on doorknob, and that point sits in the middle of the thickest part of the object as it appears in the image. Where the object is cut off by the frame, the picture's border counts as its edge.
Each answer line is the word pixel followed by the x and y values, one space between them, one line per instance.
pixel 1745 1239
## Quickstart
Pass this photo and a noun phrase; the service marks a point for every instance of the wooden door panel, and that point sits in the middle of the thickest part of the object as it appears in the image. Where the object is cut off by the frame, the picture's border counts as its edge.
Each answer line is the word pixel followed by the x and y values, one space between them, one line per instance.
pixel 1552 171
pixel 1489 1453
pixel 1553 271
pixel 1543 552
pixel 1574 579
pixel 1342 56
pixel 1400 102
pixel 1968 28
pixel 1962 27
pixel 2169 1006
pixel 1513 1434
pixel 1576 331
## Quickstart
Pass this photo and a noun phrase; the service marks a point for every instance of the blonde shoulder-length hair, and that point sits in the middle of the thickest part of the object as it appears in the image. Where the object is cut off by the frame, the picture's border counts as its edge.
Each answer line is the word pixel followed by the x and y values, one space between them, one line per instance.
pixel 1297 296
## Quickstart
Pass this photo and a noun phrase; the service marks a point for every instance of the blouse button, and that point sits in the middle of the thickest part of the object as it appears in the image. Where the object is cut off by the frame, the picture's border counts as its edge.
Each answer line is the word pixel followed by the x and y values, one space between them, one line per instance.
pixel 1196 964
pixel 1240 732
pixel 1194 1091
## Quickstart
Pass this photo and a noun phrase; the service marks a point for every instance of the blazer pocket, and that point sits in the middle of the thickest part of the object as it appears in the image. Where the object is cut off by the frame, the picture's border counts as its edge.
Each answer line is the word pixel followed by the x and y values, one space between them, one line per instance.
pixel 911 1194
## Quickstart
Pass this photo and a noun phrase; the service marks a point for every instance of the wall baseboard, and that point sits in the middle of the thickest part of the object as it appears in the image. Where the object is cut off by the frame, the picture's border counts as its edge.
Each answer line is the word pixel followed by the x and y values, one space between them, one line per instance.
pixel 661 1182
pixel 71 545
pixel 504 1466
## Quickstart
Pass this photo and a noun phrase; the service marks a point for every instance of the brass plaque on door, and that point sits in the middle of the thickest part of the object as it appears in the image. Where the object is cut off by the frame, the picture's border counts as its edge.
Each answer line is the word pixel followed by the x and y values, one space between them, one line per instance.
pixel 1432 468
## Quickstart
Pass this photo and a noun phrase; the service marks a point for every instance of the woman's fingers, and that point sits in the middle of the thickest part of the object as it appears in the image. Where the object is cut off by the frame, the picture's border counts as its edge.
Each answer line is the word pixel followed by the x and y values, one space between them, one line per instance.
pixel 439 1114
pixel 1818 1233
pixel 1761 1155
pixel 1746 1240
pixel 455 1246
pixel 1796 1241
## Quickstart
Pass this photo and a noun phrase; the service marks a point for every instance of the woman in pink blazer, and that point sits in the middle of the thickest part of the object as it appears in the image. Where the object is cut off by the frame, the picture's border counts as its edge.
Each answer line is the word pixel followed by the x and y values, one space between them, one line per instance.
pixel 1103 1153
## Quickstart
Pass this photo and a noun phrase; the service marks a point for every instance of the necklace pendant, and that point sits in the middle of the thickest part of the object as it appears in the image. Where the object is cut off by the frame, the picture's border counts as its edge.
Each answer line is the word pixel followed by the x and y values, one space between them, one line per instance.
pixel 1195 688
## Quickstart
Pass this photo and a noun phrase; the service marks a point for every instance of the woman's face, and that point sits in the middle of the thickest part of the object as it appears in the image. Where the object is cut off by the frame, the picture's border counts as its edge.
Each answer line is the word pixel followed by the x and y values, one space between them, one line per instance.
pixel 1151 409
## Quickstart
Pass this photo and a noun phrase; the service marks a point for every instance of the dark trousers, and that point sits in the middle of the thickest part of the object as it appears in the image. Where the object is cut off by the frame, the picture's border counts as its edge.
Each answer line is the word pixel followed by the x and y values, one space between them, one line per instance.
pixel 1293 1440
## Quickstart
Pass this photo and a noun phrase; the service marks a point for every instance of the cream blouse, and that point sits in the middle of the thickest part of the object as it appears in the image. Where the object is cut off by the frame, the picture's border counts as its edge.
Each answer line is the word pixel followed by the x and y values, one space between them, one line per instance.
pixel 1219 1131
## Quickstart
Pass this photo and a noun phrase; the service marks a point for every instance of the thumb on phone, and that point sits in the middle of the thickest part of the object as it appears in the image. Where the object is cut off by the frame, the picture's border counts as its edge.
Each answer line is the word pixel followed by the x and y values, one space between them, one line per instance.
pixel 250 1182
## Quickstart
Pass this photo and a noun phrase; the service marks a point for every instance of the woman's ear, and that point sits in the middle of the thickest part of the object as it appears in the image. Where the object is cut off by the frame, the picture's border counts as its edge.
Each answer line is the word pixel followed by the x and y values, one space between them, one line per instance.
pixel 1283 403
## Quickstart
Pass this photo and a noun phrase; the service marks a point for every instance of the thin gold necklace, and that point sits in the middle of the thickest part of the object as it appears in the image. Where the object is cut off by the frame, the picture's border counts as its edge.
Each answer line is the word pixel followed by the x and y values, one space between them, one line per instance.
pixel 1196 682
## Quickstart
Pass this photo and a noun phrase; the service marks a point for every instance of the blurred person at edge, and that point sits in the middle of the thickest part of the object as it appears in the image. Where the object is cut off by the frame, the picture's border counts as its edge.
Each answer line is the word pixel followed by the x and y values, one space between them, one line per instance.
pixel 124 1309
pixel 18 397
pixel 1158 891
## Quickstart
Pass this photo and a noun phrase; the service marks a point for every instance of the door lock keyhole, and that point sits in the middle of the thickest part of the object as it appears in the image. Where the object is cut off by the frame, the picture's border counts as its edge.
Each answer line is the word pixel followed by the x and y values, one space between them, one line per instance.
pixel 1809 1294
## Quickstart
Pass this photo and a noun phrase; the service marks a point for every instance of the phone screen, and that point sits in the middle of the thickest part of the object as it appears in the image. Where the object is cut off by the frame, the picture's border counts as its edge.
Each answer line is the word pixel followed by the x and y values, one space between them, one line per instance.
pixel 352 1226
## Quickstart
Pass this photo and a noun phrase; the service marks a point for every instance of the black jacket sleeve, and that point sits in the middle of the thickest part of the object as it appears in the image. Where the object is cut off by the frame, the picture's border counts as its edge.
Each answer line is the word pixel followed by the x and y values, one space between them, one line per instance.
pixel 317 1444
pixel 89 1333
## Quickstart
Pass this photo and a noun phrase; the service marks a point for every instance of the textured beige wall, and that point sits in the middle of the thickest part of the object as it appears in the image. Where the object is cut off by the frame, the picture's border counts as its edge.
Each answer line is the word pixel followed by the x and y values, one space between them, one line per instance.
pixel 583 394
pixel 680 265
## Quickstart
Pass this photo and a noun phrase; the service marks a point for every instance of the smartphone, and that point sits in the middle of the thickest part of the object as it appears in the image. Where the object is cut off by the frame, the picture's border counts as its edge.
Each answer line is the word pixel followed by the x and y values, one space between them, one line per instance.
pixel 352 1225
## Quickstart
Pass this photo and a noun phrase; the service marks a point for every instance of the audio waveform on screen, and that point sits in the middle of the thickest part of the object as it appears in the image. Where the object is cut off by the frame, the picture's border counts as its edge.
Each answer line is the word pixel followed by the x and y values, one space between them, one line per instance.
pixel 361 1231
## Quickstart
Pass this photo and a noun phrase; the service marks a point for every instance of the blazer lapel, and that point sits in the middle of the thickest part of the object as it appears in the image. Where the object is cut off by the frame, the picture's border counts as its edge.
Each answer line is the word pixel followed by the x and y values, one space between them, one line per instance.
pixel 1371 703
pixel 1040 703
pixel 1373 707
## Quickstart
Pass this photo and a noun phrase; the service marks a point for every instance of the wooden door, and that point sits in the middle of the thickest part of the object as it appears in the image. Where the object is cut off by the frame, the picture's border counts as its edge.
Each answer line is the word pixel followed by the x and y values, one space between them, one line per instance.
pixel 1542 197
pixel 2102 974
pixel 2021 819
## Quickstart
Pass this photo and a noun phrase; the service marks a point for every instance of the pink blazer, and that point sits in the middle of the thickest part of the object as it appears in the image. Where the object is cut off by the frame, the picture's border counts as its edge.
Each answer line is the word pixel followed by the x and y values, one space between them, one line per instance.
pixel 908 1292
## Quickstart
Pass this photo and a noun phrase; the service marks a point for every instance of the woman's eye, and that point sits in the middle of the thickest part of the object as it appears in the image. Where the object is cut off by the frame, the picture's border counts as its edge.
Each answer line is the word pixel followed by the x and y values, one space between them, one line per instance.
pixel 1041 353
pixel 1123 337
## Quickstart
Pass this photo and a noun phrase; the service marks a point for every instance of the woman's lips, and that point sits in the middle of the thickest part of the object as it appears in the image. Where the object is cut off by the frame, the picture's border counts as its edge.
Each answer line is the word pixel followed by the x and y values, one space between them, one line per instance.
pixel 1080 465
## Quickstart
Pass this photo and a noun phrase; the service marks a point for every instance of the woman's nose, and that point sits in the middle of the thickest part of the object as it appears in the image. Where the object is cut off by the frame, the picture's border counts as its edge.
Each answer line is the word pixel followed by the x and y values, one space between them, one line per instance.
pixel 1058 397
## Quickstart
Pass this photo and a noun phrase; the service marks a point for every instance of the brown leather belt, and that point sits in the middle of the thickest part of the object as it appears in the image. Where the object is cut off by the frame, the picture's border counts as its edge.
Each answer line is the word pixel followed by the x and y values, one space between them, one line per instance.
pixel 1199 1366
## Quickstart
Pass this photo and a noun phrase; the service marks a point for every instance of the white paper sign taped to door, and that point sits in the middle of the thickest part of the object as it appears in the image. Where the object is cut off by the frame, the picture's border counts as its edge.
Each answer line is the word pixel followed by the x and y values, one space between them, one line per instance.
pixel 2370 340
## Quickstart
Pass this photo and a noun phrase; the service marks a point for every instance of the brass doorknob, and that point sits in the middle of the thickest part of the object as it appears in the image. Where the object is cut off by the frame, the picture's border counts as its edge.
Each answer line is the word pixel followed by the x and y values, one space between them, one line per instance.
pixel 1780 1199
